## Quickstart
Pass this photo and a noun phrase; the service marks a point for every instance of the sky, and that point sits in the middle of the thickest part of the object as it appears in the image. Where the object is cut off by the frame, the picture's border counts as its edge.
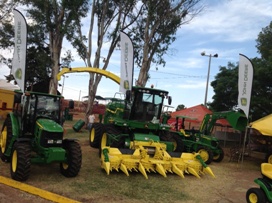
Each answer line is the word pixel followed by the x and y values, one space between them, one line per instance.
pixel 225 27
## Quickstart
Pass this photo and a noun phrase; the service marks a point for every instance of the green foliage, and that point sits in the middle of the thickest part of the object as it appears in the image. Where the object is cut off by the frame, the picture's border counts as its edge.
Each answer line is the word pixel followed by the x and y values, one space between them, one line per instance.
pixel 225 88
pixel 264 42
pixel 180 107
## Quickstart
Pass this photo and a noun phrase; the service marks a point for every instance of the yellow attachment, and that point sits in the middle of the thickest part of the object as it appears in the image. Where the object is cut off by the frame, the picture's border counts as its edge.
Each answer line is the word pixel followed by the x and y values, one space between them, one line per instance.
pixel 152 157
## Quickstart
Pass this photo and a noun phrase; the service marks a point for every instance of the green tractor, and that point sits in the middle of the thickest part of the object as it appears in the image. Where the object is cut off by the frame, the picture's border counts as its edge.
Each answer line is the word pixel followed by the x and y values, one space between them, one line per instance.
pixel 33 133
pixel 133 117
pixel 202 141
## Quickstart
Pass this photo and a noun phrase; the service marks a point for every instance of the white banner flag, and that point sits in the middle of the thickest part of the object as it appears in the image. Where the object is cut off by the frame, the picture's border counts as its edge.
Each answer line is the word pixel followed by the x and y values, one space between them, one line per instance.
pixel 127 63
pixel 19 56
pixel 245 83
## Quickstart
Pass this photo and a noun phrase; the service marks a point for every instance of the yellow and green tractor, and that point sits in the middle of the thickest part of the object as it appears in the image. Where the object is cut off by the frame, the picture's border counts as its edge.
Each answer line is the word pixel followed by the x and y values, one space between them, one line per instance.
pixel 33 133
pixel 134 138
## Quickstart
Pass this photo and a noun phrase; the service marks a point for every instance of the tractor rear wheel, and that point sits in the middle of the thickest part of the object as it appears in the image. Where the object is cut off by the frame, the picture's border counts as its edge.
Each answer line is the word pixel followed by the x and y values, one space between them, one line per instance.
pixel 205 153
pixel 95 135
pixel 219 157
pixel 72 166
pixel 255 195
pixel 5 139
pixel 20 161
pixel 175 138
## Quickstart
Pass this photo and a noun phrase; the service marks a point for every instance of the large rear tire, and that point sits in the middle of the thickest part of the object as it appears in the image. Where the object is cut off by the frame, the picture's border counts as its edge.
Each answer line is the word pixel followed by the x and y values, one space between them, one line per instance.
pixel 5 139
pixel 114 132
pixel 74 159
pixel 255 195
pixel 175 138
pixel 205 153
pixel 95 135
pixel 20 161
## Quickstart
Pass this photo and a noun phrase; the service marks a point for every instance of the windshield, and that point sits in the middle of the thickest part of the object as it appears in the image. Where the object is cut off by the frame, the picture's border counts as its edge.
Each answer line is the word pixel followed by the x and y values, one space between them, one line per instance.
pixel 45 106
pixel 147 106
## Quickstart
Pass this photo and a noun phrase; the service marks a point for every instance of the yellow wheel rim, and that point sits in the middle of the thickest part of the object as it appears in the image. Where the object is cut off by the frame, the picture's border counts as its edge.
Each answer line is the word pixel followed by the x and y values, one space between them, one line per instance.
pixel 92 134
pixel 204 154
pixel 269 160
pixel 3 139
pixel 104 140
pixel 216 156
pixel 253 198
pixel 14 161
pixel 65 165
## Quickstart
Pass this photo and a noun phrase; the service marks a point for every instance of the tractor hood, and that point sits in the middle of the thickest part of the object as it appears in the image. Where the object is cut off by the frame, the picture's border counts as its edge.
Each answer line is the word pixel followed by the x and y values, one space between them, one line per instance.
pixel 49 125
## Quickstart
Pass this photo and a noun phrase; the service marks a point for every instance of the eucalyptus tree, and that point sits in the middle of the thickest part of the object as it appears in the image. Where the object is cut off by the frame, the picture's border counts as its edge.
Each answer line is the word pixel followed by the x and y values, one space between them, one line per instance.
pixel 107 18
pixel 56 18
pixel 155 30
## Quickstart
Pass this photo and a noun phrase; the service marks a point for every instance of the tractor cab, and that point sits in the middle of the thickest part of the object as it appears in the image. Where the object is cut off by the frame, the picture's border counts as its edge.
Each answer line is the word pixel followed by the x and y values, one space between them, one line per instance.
pixel 32 106
pixel 146 103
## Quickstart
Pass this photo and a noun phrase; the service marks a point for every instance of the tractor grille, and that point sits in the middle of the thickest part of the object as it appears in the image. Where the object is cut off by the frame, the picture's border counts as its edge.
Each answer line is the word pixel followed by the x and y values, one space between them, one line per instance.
pixel 51 139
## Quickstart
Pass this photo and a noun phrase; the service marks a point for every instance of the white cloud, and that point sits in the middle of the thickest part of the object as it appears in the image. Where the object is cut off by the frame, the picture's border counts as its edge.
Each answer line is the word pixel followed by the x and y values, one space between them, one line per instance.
pixel 237 20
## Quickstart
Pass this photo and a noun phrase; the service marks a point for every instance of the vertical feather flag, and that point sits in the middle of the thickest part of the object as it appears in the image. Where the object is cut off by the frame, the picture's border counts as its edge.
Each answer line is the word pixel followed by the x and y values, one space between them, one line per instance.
pixel 19 55
pixel 127 63
pixel 245 83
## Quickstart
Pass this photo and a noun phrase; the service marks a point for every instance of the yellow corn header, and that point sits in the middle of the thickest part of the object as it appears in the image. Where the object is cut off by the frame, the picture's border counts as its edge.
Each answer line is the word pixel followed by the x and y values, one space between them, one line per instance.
pixel 152 157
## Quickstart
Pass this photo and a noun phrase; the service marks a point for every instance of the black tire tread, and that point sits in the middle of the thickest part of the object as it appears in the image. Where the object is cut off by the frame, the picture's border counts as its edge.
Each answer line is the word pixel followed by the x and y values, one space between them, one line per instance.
pixel 74 159
pixel 97 127
pixel 22 171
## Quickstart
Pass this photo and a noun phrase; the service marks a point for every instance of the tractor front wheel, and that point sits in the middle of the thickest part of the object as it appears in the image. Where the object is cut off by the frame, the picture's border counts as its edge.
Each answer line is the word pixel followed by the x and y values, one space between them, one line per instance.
pixel 20 161
pixel 219 157
pixel 255 195
pixel 268 157
pixel 95 135
pixel 72 166
pixel 206 154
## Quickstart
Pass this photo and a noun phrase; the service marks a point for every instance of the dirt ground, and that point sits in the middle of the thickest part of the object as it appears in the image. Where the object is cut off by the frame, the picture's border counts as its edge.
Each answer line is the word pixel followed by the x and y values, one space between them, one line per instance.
pixel 232 181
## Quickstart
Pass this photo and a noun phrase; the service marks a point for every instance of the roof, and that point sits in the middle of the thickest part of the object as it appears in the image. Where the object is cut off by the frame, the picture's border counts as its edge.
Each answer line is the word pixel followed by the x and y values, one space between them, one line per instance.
pixel 197 113
pixel 8 86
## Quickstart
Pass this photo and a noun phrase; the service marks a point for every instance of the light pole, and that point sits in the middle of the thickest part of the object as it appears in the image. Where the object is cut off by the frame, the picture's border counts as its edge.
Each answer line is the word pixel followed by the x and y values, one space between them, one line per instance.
pixel 208 76
pixel 63 83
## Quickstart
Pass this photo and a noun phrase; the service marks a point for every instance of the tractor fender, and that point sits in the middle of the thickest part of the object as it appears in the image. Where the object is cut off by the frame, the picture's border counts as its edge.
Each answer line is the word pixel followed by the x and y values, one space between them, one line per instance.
pixel 15 124
pixel 266 187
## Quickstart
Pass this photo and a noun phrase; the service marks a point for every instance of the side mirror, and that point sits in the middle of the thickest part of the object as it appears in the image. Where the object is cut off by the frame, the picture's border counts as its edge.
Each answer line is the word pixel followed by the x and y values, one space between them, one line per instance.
pixel 17 98
pixel 169 100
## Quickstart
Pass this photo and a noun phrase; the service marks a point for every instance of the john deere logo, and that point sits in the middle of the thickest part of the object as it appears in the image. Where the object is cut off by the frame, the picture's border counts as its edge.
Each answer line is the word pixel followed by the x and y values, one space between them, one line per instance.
pixel 18 73
pixel 243 101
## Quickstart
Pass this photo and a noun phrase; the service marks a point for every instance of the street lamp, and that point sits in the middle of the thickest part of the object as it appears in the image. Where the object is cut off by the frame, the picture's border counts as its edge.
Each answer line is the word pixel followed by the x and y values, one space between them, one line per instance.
pixel 208 76
pixel 63 83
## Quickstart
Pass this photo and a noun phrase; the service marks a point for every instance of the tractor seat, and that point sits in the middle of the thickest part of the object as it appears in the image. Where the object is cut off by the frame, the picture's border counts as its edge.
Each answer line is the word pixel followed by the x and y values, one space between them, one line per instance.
pixel 184 133
pixel 266 169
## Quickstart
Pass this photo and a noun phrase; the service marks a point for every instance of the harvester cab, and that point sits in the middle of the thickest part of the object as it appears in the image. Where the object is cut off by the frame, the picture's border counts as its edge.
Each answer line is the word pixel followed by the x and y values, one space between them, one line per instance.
pixel 133 138
pixel 33 133
pixel 146 103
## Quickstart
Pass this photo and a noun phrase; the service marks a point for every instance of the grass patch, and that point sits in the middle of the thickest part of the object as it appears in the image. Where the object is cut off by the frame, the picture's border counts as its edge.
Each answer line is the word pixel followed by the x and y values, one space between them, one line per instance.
pixel 93 184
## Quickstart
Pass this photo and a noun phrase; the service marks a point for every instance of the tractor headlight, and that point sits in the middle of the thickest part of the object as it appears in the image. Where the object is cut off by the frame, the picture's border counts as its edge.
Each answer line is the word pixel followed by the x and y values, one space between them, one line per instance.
pixel 54 141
